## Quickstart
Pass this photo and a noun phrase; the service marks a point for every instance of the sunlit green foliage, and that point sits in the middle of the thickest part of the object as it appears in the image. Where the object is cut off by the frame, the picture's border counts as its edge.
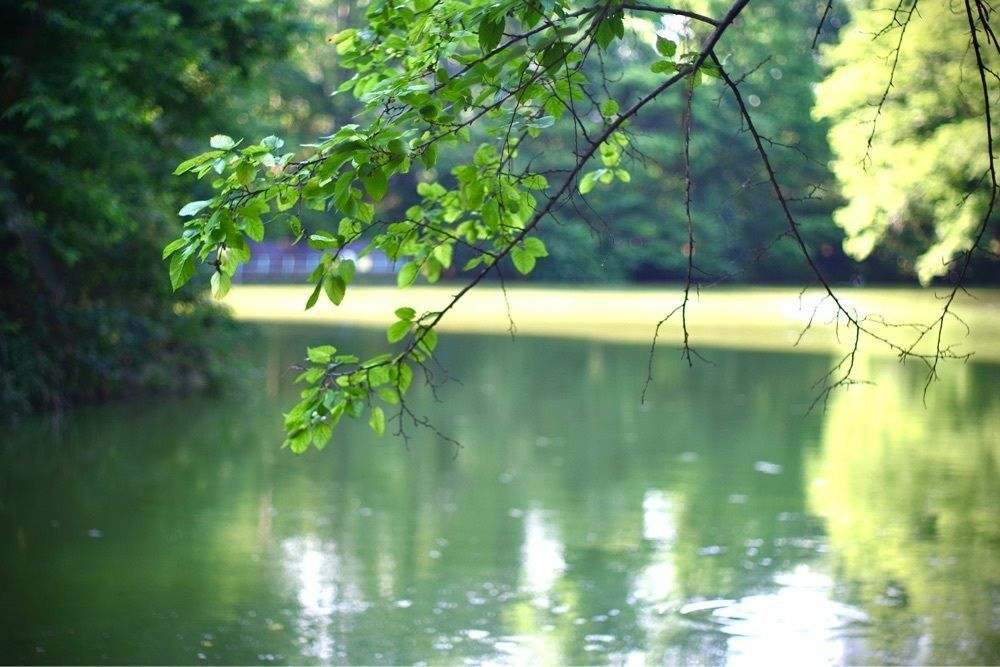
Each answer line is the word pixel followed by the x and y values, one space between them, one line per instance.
pixel 427 74
pixel 909 132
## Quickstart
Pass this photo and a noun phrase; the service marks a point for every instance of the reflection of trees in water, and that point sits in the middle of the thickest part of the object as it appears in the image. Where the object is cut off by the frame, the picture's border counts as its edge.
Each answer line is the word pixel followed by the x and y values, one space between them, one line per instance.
pixel 589 454
pixel 911 496
pixel 573 525
pixel 646 507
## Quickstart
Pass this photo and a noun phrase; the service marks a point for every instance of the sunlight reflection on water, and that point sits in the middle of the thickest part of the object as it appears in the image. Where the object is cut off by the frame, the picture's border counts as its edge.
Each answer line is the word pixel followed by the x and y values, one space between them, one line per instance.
pixel 795 625
pixel 714 527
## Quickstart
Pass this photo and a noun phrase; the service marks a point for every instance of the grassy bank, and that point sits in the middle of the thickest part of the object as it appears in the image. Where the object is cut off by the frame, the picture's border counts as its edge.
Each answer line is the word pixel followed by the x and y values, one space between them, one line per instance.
pixel 752 317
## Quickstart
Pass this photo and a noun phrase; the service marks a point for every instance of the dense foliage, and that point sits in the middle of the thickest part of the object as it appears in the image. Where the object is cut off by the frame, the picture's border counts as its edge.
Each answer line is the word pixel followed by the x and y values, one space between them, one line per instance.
pixel 98 98
pixel 909 135
pixel 639 233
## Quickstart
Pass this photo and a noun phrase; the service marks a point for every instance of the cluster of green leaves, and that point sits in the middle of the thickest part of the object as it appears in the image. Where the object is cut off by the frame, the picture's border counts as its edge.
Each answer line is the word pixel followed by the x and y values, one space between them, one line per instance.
pixel 488 114
pixel 611 157
pixel 427 81
pixel 639 234
pixel 221 232
pixel 340 384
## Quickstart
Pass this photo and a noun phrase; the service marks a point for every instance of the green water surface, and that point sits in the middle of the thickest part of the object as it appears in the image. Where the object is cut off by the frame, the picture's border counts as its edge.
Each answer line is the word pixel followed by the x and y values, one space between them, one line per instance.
pixel 717 523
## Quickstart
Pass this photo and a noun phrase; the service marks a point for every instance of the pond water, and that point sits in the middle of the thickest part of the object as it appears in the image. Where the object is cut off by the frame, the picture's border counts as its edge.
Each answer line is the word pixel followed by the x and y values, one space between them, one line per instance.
pixel 718 523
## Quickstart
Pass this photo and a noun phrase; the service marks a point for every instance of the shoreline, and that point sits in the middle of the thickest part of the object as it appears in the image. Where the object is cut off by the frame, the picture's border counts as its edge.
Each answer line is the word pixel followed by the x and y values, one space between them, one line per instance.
pixel 765 318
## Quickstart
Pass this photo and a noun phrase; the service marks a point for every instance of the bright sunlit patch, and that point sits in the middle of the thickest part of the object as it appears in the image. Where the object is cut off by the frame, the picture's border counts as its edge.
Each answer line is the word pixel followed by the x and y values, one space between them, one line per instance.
pixel 659 525
pixel 738 318
pixel 675 27
pixel 542 562
pixel 314 570
pixel 310 572
pixel 796 625
pixel 658 517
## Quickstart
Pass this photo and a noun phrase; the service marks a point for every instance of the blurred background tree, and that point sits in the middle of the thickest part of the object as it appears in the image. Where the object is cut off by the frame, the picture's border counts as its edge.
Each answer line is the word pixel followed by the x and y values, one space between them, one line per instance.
pixel 906 107
pixel 640 233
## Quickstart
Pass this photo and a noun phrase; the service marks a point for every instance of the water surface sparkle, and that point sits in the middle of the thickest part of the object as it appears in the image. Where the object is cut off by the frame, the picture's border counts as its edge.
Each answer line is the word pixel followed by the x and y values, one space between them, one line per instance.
pixel 717 524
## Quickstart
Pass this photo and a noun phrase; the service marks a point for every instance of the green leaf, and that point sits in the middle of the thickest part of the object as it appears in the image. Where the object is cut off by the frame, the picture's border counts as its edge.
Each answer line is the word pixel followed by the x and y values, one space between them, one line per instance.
pixel 335 288
pixel 246 172
pixel 365 212
pixel 377 421
pixel 377 360
pixel 321 354
pixel 181 270
pixel 666 47
pixel 609 108
pixel 389 394
pixel 174 246
pixel 398 330
pixel 535 182
pixel 428 340
pixel 375 183
pixel 604 35
pixel 535 247
pixel 377 375
pixel 443 253
pixel 524 261
pixel 541 122
pixel 272 143
pixel 342 188
pixel 254 228
pixel 323 240
pixel 711 69
pixel 663 66
pixel 588 182
pixel 188 165
pixel 314 297
pixel 295 227
pixel 490 33
pixel 321 434
pixel 555 54
pixel 617 24
pixel 193 208
pixel 238 246
pixel 346 269
pixel 431 269
pixel 222 142
pixel 311 376
pixel 406 313
pixel 221 283
pixel 355 408
pixel 430 155
pixel 404 377
pixel 407 275
pixel 298 441
pixel 287 198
